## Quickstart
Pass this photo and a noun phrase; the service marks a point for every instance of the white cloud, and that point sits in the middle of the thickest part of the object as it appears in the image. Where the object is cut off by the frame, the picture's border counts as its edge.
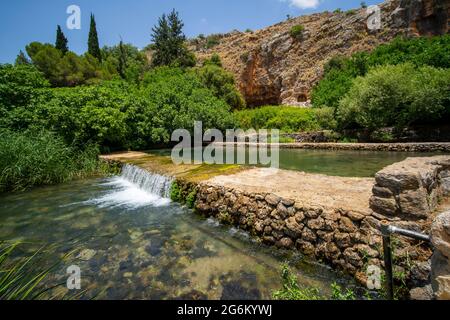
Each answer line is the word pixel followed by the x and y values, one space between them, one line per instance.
pixel 304 4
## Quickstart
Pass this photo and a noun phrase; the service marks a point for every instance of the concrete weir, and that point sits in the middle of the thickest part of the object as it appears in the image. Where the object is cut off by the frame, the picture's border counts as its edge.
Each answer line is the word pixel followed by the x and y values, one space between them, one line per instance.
pixel 334 219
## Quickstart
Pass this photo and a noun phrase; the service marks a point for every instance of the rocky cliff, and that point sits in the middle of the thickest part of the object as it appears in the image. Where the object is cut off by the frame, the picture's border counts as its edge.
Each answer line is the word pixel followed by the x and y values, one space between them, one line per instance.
pixel 273 67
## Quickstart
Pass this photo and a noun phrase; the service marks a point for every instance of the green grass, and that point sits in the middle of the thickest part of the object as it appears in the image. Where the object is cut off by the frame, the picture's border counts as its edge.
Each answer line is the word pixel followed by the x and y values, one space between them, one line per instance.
pixel 29 159
pixel 286 119
pixel 21 277
pixel 292 291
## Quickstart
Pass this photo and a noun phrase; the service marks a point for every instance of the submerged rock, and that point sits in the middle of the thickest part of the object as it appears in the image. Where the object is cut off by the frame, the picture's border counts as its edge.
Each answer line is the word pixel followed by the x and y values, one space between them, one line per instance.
pixel 86 254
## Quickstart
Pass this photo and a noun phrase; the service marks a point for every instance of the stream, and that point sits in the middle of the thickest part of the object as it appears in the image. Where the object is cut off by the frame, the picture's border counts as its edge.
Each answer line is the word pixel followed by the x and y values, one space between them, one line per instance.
pixel 131 242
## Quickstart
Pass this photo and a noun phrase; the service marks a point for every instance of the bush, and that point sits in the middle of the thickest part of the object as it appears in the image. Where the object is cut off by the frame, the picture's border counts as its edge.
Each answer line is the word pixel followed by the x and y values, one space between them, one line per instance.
pixel 212 40
pixel 38 158
pixel 286 119
pixel 214 60
pixel 326 118
pixel 296 32
pixel 292 291
pixel 19 85
pixel 396 96
pixel 222 85
pixel 119 115
pixel 340 71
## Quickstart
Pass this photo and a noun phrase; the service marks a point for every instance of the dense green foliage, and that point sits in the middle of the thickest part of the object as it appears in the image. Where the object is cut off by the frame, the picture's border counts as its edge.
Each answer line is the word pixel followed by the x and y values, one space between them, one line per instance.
pixel 221 83
pixel 286 119
pixel 214 60
pixel 68 70
pixel 399 96
pixel 399 84
pixel 22 59
pixel 115 114
pixel 65 70
pixel 125 60
pixel 93 44
pixel 61 41
pixel 169 43
pixel 340 71
pixel 39 158
pixel 18 86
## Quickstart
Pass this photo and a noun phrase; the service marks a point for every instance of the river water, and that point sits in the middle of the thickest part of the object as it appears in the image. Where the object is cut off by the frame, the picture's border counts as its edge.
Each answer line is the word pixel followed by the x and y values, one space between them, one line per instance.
pixel 131 242
pixel 343 163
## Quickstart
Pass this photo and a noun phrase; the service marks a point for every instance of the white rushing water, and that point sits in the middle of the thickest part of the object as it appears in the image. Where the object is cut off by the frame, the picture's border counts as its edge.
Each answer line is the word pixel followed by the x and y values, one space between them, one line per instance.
pixel 135 188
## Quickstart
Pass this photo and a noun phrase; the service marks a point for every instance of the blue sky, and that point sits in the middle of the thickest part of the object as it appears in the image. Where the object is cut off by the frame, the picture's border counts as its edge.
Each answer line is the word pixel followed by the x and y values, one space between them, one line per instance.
pixel 24 21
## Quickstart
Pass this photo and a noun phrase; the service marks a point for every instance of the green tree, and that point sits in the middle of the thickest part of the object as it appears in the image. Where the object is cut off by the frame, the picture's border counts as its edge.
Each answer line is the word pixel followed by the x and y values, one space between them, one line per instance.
pixel 47 59
pixel 61 41
pixel 122 60
pixel 399 95
pixel 22 59
pixel 125 60
pixel 169 42
pixel 93 45
pixel 221 83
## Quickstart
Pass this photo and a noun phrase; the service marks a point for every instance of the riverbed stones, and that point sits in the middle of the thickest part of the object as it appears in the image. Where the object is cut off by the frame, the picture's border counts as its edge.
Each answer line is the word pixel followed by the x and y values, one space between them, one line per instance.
pixel 86 254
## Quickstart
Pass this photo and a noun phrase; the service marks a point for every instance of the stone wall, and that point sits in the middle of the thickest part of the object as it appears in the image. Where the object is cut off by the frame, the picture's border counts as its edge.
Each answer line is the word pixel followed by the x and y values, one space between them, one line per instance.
pixel 345 239
pixel 411 190
pixel 392 147
pixel 405 195
pixel 401 147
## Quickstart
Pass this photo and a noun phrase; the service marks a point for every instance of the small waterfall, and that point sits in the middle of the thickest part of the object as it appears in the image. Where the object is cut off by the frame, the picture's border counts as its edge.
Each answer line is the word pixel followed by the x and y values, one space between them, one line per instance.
pixel 149 182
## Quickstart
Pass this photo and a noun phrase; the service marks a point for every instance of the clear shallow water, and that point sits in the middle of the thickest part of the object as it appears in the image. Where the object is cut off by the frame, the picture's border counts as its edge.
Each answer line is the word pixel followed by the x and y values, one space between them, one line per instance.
pixel 335 162
pixel 136 245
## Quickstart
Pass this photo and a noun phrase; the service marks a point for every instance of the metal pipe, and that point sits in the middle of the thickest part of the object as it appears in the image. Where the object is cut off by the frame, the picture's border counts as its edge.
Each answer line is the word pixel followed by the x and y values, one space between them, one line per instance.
pixel 386 232
pixel 409 233
pixel 387 250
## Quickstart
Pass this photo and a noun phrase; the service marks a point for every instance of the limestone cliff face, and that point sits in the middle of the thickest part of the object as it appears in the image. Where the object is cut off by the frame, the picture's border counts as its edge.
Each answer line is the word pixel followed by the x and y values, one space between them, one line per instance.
pixel 272 67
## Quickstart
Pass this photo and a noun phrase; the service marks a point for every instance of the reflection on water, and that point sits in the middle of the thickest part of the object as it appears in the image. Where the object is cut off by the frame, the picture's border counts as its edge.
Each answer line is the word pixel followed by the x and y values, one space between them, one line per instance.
pixel 134 245
pixel 330 162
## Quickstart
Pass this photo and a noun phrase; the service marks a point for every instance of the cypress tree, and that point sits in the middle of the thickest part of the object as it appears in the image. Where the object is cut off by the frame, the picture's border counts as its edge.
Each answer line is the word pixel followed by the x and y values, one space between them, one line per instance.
pixel 122 60
pixel 93 45
pixel 61 41
pixel 22 59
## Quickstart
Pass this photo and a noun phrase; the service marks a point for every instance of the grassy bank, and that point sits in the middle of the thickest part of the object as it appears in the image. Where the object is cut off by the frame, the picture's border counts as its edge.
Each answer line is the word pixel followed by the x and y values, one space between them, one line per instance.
pixel 30 159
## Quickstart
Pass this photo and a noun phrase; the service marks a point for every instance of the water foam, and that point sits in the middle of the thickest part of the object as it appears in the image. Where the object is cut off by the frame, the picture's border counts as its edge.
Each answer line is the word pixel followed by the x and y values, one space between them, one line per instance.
pixel 135 188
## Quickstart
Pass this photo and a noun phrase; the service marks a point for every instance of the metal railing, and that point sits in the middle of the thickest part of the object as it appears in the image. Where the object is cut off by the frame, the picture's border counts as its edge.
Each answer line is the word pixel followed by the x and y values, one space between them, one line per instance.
pixel 387 231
